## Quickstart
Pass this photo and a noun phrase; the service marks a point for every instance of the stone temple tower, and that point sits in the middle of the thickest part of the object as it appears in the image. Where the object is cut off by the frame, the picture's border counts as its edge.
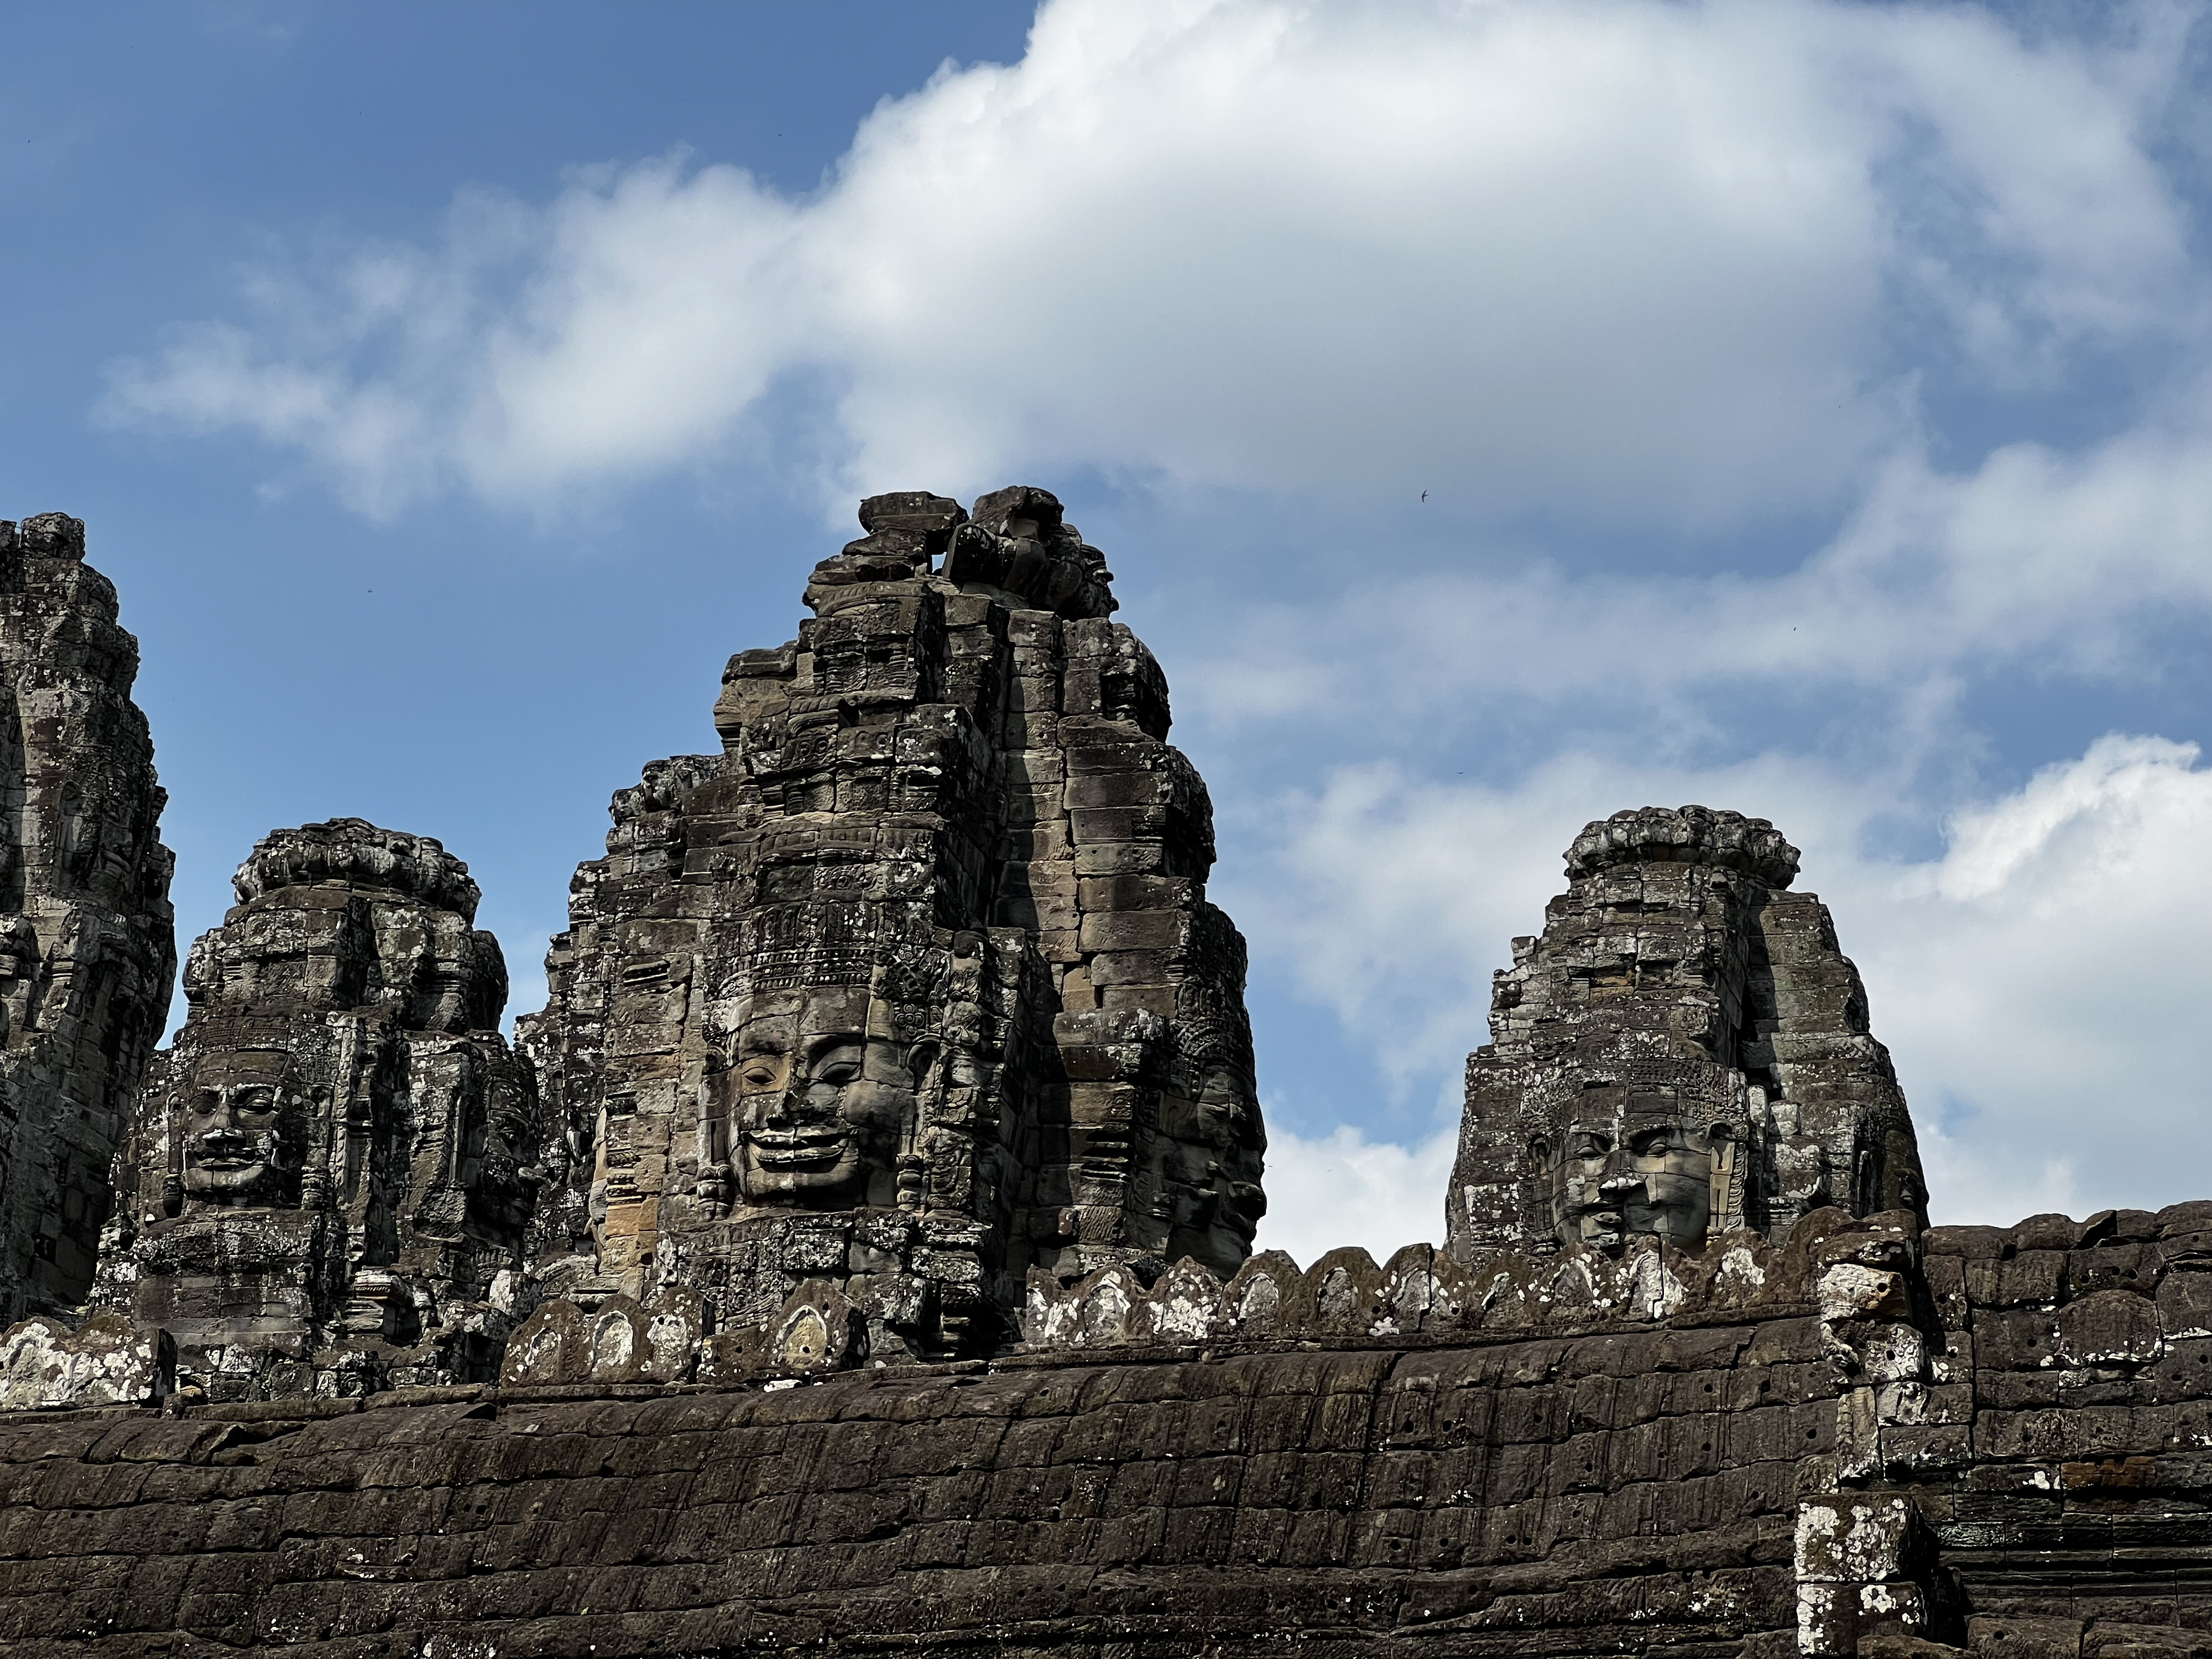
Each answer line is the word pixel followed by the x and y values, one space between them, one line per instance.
pixel 88 943
pixel 914 987
pixel 1682 1051
pixel 329 1171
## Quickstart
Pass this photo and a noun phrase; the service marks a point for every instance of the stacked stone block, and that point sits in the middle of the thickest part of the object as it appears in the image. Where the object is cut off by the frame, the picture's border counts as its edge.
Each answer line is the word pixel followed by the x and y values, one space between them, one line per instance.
pixel 914 987
pixel 328 1179
pixel 1681 999
pixel 2065 1469
pixel 88 947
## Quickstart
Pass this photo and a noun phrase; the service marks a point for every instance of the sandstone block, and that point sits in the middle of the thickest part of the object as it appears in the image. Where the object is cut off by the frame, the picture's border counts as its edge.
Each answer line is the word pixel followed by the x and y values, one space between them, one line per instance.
pixel 106 1362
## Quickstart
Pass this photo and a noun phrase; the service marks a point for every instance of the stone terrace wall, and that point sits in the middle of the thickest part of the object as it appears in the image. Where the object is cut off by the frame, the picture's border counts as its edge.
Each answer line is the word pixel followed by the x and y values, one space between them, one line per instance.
pixel 1872 1439
pixel 1621 1491
pixel 2064 1468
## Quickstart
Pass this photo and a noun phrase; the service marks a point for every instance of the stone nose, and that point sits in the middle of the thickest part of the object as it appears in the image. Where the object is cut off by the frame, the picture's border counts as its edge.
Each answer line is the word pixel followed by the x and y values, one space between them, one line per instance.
pixel 794 1100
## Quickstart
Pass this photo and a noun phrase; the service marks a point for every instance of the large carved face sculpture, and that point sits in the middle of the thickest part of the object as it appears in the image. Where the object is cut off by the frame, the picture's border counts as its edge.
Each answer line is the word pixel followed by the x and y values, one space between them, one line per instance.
pixel 1611 1180
pixel 1216 1144
pixel 243 1131
pixel 816 1107
pixel 498 1154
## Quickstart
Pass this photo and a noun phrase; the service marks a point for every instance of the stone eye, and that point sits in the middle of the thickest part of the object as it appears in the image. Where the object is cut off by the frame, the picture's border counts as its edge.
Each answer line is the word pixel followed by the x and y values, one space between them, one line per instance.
pixel 759 1075
pixel 838 1073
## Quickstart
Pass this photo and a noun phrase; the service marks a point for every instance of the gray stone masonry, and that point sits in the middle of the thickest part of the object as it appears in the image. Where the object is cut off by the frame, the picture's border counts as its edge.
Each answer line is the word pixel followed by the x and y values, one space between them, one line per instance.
pixel 87 946
pixel 331 1170
pixel 914 987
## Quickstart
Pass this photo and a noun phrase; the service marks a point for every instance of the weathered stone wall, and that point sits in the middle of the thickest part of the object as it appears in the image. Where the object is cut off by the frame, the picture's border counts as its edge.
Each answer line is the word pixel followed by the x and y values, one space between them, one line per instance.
pixel 1873 1439
pixel 88 943
pixel 1636 1490
pixel 2064 1467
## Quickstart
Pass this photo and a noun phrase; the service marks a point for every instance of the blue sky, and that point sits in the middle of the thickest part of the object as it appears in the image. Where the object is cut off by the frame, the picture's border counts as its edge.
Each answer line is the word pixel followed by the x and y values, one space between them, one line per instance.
pixel 1810 400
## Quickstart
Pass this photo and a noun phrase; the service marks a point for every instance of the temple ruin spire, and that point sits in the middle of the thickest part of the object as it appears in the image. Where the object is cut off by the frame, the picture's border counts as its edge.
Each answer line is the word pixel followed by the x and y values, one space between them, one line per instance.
pixel 1682 1051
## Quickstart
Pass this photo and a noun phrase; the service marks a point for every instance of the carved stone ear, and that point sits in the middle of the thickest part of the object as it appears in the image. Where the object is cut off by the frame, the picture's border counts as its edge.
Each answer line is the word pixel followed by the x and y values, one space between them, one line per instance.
pixel 922 1058
pixel 1729 1168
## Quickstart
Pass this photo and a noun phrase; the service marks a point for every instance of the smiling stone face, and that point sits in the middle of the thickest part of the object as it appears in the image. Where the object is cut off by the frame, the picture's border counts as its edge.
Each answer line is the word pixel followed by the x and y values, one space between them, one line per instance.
pixel 242 1133
pixel 1611 1181
pixel 815 1108
pixel 1215 1144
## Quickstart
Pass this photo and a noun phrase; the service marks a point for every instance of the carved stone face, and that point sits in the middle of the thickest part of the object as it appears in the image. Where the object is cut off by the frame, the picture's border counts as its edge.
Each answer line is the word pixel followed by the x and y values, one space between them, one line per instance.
pixel 243 1140
pixel 1611 1181
pixel 498 1155
pixel 816 1107
pixel 1216 1142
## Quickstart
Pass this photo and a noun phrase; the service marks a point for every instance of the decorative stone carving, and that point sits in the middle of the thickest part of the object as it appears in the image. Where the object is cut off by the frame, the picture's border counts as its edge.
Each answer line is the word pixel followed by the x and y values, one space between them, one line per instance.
pixel 912 989
pixel 332 1169
pixel 88 947
pixel 1683 1052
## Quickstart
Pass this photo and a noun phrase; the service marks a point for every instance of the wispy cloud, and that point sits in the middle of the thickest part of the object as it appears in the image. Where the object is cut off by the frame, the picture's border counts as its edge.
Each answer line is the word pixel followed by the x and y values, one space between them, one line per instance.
pixel 1342 1189
pixel 2036 553
pixel 1615 258
pixel 2044 978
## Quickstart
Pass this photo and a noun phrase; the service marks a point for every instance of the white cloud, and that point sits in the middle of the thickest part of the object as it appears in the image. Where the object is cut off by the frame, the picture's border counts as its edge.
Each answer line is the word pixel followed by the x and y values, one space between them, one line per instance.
pixel 1680 264
pixel 1609 257
pixel 1342 1189
pixel 2034 556
pixel 1393 897
pixel 2048 976
pixel 2042 984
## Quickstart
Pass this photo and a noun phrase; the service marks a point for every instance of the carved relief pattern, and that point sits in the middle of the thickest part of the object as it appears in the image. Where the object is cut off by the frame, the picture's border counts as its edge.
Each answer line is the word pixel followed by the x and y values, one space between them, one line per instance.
pixel 327 1179
pixel 914 987
pixel 1683 1050
pixel 87 946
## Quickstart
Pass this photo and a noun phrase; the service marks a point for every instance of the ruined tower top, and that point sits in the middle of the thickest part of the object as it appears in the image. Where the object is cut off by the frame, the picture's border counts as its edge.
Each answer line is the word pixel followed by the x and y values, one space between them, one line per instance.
pixel 355 854
pixel 1683 1051
pixel 913 990
pixel 1685 835
pixel 1015 547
